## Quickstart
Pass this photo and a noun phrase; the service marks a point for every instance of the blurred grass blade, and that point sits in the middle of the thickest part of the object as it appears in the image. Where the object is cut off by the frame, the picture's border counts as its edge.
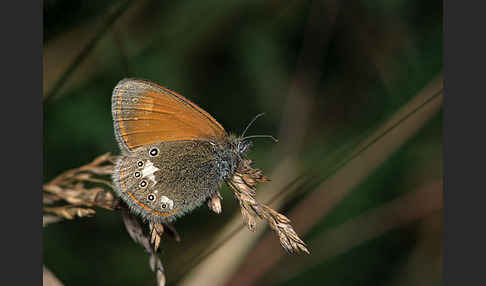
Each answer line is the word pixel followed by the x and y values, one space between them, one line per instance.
pixel 61 81
pixel 376 148
pixel 363 162
pixel 410 207
pixel 49 279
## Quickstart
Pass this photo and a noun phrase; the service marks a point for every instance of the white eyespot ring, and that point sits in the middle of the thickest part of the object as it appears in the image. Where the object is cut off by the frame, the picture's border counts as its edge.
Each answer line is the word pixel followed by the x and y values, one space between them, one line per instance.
pixel 140 163
pixel 154 152
pixel 151 197
pixel 137 174
pixel 143 184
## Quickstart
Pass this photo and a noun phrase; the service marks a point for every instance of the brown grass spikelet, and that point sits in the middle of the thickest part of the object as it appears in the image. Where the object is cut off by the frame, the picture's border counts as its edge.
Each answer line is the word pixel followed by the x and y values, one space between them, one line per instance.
pixel 80 189
pixel 75 193
pixel 156 232
pixel 70 212
pixel 243 185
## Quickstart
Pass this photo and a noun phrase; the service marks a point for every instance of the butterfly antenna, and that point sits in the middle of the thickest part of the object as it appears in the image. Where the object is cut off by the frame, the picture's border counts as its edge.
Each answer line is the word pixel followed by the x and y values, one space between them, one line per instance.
pixel 264 136
pixel 251 122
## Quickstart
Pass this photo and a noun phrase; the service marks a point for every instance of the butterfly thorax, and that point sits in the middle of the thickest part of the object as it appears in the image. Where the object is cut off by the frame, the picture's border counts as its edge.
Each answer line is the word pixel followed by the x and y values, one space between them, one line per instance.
pixel 232 151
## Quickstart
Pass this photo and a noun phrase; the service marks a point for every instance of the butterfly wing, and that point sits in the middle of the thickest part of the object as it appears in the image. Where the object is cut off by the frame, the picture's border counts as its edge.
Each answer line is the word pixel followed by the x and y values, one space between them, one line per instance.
pixel 164 185
pixel 145 113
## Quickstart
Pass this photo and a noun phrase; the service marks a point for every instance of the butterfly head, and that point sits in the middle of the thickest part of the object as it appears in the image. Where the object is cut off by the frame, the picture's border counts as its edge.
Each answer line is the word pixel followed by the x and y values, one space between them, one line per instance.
pixel 243 146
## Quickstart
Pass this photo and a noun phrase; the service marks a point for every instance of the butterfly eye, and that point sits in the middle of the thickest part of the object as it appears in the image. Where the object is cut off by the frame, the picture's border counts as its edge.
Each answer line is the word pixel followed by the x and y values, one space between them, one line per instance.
pixel 143 184
pixel 164 205
pixel 153 152
pixel 137 174
pixel 151 197
pixel 140 163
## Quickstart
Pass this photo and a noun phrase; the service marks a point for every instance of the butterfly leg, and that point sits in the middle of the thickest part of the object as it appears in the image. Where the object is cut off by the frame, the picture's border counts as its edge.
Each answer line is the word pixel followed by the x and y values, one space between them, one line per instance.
pixel 214 203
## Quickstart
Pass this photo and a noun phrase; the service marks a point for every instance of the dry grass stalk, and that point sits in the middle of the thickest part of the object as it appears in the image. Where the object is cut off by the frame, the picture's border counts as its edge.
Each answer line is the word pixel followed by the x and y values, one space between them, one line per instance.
pixel 86 187
pixel 73 187
pixel 69 212
pixel 135 230
pixel 48 219
pixel 243 185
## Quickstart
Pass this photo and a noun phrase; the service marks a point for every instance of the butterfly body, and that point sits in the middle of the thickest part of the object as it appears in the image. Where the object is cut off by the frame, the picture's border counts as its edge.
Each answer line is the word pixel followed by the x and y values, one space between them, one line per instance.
pixel 174 155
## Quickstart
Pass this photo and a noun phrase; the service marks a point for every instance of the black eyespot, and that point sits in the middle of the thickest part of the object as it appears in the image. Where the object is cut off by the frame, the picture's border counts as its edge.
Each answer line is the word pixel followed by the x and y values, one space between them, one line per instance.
pixel 151 197
pixel 164 206
pixel 154 152
pixel 137 174
pixel 143 184
pixel 140 163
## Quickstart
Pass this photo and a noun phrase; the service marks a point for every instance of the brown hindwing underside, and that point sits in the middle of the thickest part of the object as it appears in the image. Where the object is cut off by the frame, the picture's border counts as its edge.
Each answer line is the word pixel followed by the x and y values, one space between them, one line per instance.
pixel 165 180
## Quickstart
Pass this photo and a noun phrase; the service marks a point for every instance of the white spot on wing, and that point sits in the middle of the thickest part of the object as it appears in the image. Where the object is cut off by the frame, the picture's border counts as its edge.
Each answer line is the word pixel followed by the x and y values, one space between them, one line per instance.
pixel 148 171
pixel 168 201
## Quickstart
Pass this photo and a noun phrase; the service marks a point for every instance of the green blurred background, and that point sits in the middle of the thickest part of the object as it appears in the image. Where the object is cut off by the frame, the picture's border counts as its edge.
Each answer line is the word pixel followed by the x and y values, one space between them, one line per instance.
pixel 328 74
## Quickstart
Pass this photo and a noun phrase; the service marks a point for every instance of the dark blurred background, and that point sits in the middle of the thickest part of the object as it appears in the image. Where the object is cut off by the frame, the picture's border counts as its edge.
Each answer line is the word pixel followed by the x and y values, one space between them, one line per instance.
pixel 331 76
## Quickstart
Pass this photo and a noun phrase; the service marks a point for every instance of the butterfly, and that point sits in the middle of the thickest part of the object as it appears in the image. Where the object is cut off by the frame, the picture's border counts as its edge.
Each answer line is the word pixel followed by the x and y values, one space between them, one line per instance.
pixel 175 156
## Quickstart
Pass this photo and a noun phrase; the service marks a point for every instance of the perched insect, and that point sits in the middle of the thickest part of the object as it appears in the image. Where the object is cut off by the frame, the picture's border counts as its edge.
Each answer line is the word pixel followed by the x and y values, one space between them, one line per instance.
pixel 175 156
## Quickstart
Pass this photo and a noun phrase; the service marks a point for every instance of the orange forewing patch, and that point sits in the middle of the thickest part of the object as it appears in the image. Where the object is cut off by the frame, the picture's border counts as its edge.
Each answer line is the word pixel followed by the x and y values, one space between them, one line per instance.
pixel 146 113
